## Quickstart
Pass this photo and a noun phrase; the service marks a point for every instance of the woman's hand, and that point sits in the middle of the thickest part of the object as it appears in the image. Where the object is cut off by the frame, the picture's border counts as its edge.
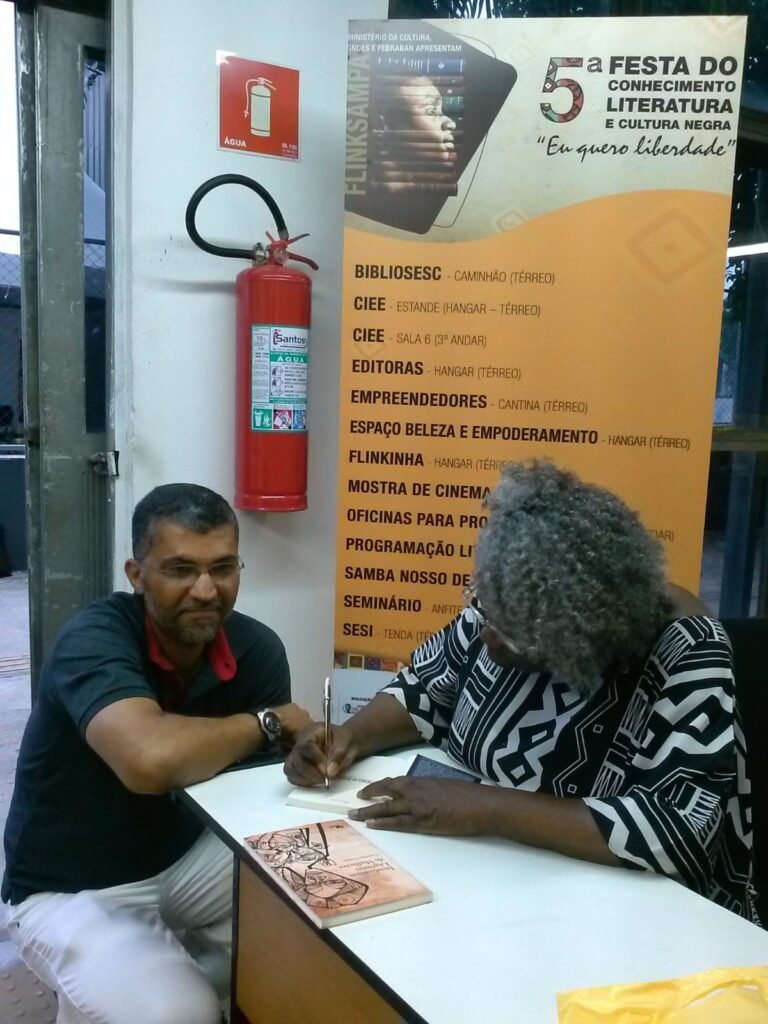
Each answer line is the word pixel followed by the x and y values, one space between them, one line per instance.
pixel 306 763
pixel 443 807
pixel 383 723
pixel 451 808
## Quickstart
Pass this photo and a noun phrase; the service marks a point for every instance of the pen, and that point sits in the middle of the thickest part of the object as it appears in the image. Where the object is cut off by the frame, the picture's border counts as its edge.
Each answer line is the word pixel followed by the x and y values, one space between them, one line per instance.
pixel 327 724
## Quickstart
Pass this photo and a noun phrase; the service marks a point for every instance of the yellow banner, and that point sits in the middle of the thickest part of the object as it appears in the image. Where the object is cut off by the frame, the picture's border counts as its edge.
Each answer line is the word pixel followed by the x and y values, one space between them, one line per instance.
pixel 560 295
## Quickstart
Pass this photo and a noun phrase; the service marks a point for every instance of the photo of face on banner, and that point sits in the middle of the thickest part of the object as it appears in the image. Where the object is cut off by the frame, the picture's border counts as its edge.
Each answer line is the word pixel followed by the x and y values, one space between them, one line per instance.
pixel 428 116
pixel 417 108
pixel 415 141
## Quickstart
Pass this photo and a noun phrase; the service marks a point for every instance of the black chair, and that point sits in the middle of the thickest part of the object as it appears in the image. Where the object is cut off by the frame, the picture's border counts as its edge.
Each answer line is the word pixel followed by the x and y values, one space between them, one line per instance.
pixel 750 661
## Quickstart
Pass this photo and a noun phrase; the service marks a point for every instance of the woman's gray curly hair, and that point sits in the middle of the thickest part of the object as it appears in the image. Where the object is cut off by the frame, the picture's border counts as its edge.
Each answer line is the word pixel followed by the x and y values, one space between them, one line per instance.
pixel 569 573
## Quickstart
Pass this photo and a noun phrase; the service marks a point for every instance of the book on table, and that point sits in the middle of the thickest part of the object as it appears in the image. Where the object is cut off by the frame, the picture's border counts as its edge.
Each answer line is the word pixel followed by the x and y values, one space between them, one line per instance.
pixel 342 796
pixel 334 873
pixel 427 768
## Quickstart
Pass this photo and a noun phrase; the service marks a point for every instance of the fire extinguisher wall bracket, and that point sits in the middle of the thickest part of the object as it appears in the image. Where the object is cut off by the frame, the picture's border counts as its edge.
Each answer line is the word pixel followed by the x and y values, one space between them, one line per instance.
pixel 273 320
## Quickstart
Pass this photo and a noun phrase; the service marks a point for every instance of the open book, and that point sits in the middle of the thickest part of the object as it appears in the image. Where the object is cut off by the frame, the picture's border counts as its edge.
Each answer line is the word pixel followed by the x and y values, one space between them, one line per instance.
pixel 342 796
pixel 334 873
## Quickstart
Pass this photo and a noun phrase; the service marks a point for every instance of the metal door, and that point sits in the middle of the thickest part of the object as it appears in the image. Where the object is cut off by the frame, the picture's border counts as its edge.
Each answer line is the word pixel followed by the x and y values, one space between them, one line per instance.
pixel 64 295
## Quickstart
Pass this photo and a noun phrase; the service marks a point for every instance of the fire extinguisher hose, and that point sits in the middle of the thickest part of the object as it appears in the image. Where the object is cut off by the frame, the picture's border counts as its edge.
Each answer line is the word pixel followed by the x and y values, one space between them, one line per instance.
pixel 230 179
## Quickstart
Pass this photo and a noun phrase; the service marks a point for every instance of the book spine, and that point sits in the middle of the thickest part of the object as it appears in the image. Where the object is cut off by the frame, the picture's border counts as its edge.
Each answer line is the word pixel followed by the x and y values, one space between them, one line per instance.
pixel 411 134
pixel 440 81
pixel 412 175
pixel 393 91
pixel 403 187
pixel 421 65
pixel 413 160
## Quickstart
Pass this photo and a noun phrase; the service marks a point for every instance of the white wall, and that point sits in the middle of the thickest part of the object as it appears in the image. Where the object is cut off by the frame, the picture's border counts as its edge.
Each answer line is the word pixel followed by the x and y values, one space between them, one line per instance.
pixel 174 305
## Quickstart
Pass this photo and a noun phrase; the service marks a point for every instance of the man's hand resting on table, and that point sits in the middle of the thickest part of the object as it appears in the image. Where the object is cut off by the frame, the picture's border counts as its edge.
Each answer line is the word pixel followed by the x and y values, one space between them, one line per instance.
pixel 445 807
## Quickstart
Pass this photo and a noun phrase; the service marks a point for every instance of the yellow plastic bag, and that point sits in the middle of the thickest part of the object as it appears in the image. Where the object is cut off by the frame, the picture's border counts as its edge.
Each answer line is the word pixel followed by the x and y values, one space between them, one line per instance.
pixel 736 995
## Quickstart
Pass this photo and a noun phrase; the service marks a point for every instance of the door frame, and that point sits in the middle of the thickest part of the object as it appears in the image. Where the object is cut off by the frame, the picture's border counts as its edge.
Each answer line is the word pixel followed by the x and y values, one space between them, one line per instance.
pixel 68 470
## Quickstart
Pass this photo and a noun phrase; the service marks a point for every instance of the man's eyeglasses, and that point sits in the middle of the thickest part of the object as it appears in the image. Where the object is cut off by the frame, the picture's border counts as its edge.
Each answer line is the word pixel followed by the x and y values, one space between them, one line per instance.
pixel 186 574
pixel 473 606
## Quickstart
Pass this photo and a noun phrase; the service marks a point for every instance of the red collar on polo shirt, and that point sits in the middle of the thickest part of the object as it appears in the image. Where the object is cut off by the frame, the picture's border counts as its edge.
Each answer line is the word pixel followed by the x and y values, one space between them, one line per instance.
pixel 220 655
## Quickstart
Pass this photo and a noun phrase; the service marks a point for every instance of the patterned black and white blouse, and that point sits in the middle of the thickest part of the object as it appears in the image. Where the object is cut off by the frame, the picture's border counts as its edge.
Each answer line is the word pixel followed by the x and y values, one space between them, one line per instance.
pixel 658 758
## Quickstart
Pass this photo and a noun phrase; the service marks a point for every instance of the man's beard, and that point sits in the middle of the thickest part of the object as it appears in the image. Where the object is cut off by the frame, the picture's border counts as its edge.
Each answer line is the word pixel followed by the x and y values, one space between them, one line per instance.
pixel 185 629
pixel 193 633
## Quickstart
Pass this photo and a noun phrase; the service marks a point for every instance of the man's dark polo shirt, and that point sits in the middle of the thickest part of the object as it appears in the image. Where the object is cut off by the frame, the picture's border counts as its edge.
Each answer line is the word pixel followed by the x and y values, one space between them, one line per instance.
pixel 72 824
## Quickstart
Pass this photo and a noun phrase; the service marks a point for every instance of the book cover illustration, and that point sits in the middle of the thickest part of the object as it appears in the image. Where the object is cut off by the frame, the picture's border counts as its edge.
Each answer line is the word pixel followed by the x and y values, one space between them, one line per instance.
pixel 417 114
pixel 335 873
pixel 342 796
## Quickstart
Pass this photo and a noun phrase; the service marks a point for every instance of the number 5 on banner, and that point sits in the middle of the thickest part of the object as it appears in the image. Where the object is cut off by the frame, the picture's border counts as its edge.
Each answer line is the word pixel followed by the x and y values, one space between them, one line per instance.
pixel 551 83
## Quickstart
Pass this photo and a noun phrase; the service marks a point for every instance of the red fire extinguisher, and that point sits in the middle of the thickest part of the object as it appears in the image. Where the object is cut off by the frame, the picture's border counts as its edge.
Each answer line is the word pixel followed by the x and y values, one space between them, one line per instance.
pixel 273 319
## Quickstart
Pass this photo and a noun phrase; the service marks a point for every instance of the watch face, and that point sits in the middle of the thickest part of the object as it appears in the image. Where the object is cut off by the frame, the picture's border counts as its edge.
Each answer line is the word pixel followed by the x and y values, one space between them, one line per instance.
pixel 270 723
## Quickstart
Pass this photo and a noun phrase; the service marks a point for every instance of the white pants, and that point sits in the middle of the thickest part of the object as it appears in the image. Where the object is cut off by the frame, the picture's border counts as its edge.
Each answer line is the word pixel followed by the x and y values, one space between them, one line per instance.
pixel 150 952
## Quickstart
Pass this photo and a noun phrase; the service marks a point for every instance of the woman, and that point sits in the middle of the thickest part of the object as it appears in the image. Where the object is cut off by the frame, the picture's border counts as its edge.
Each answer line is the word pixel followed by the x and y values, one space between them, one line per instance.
pixel 599 699
pixel 415 142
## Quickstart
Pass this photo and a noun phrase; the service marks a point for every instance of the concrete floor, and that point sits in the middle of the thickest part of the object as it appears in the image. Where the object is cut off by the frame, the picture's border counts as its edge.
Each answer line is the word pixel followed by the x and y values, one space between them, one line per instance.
pixel 22 997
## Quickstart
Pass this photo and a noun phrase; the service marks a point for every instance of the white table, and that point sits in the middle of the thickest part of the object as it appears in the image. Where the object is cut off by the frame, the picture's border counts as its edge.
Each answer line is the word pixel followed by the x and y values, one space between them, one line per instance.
pixel 509 926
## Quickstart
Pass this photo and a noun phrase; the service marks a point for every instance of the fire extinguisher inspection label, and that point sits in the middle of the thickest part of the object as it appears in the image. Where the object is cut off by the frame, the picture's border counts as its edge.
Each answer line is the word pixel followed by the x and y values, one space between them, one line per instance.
pixel 278 377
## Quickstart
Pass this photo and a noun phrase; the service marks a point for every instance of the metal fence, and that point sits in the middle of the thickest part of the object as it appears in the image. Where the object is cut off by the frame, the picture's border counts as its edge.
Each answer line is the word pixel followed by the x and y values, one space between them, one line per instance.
pixel 11 367
pixel 11 362
pixel 95 121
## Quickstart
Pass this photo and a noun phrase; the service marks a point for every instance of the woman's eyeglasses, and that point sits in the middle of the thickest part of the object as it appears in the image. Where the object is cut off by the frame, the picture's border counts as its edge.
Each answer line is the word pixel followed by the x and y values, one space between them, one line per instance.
pixel 473 606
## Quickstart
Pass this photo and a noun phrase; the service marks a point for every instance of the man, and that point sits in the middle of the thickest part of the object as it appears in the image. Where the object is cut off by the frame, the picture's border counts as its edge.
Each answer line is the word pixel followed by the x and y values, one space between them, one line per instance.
pixel 598 698
pixel 120 900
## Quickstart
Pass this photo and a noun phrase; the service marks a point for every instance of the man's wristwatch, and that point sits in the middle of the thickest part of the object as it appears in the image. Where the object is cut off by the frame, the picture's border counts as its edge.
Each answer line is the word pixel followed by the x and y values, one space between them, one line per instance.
pixel 270 723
